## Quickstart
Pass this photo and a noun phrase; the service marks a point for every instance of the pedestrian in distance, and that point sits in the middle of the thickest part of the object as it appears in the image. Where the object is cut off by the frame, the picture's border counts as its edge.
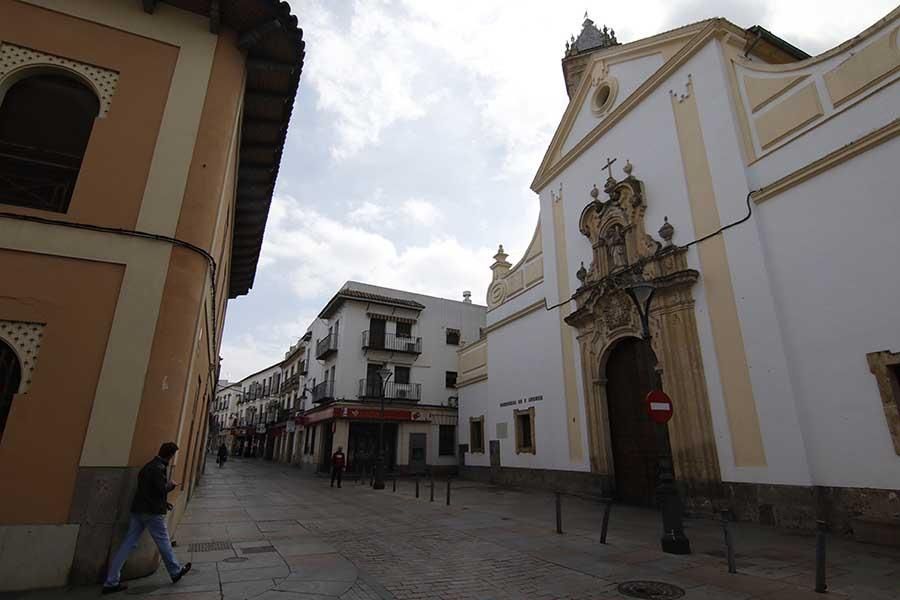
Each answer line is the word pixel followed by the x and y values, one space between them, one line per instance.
pixel 337 465
pixel 148 511
pixel 223 455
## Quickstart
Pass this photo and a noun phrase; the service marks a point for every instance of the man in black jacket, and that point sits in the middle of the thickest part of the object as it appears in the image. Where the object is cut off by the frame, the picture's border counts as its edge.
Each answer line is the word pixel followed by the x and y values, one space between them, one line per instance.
pixel 148 511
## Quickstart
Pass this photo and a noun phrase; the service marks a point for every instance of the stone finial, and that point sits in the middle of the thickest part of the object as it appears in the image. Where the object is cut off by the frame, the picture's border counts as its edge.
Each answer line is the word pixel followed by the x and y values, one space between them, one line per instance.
pixel 595 193
pixel 628 168
pixel 501 266
pixel 667 231
pixel 581 274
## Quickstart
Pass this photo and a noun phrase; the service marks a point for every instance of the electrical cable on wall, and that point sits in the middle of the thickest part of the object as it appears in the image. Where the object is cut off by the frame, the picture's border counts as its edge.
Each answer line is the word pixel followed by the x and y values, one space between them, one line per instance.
pixel 143 235
pixel 645 260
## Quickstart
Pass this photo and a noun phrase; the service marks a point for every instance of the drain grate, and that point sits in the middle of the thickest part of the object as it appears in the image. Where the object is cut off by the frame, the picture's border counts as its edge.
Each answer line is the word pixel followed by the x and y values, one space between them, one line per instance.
pixel 650 590
pixel 209 546
pixel 258 550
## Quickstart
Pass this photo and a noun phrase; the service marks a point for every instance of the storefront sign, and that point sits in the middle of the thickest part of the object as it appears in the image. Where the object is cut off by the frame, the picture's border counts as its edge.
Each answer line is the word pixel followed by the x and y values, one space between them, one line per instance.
pixel 370 414
pixel 290 427
pixel 315 417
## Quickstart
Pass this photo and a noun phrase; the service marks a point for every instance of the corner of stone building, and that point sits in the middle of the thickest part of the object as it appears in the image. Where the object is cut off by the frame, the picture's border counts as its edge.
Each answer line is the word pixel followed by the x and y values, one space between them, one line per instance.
pixel 101 507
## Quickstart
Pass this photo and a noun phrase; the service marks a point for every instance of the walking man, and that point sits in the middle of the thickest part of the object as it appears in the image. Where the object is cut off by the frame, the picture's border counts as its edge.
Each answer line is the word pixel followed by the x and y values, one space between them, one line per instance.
pixel 148 511
pixel 223 455
pixel 337 465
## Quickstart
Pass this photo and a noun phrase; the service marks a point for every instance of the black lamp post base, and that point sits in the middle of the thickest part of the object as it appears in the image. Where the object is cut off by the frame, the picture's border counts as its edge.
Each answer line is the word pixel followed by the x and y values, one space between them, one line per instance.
pixel 378 485
pixel 675 544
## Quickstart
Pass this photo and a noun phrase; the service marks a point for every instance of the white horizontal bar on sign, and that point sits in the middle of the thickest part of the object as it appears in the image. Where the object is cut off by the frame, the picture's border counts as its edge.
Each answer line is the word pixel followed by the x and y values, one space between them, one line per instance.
pixel 660 406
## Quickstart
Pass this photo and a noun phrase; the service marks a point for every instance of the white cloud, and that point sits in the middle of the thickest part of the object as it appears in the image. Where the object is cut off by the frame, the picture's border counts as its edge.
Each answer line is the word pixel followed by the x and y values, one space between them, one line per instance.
pixel 364 73
pixel 421 212
pixel 320 253
pixel 367 212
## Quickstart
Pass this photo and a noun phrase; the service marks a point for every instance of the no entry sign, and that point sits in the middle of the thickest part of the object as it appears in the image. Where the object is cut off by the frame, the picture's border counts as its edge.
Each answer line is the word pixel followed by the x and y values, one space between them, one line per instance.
pixel 659 406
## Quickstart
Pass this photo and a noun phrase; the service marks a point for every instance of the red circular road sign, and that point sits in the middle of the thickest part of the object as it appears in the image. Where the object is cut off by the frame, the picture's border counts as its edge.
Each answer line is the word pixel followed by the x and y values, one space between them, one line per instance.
pixel 659 406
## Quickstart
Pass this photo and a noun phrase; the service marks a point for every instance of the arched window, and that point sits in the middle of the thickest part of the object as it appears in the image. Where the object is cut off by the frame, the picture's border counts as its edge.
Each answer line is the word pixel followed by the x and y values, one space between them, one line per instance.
pixel 10 378
pixel 45 122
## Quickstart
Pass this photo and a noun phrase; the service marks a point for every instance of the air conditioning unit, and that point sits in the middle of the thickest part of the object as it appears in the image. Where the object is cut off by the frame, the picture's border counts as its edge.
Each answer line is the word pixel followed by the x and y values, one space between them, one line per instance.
pixel 402 393
pixel 410 346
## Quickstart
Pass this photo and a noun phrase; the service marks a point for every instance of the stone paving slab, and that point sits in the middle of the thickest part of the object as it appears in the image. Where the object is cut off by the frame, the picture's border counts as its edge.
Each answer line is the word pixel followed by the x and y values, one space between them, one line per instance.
pixel 302 540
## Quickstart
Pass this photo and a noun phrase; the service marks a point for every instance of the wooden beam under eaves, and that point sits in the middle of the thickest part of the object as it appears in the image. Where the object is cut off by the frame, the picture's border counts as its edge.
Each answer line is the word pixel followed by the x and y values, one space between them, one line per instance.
pixel 250 38
pixel 149 6
pixel 270 66
pixel 215 16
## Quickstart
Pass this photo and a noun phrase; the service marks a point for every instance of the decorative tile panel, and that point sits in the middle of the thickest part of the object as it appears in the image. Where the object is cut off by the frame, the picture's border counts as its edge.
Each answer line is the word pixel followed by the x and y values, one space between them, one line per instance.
pixel 104 81
pixel 26 339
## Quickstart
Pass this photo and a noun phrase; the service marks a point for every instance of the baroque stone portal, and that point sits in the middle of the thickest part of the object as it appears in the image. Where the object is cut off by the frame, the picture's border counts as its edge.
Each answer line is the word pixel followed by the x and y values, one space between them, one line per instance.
pixel 605 315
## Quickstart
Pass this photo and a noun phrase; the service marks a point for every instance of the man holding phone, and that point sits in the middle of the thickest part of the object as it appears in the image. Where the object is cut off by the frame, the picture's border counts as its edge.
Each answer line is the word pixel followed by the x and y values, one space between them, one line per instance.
pixel 148 511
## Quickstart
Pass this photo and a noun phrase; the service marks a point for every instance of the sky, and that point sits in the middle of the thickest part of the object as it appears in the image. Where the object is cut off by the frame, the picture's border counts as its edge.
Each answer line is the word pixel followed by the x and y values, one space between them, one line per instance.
pixel 417 129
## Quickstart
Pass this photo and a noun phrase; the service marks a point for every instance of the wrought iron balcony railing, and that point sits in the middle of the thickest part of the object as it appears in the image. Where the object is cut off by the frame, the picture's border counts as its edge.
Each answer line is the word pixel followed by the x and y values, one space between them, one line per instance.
pixel 326 346
pixel 406 392
pixel 391 342
pixel 323 392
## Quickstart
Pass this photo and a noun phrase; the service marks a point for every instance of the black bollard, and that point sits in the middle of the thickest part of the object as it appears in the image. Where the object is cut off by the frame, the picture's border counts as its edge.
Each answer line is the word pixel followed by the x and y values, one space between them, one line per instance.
pixel 395 483
pixel 448 491
pixel 558 513
pixel 417 486
pixel 605 526
pixel 432 489
pixel 821 529
pixel 729 541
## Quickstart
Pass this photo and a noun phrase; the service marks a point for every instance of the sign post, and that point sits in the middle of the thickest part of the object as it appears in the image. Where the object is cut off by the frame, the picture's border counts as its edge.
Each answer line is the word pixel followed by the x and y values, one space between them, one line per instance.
pixel 660 409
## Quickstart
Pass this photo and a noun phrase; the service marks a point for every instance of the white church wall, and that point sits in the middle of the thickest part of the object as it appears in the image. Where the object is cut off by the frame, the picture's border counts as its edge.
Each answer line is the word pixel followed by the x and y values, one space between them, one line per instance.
pixel 629 75
pixel 832 249
pixel 523 300
pixel 779 421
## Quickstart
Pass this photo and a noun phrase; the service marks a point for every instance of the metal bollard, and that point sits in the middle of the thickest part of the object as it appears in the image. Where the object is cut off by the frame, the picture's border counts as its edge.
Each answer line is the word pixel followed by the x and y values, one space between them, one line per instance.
pixel 417 486
pixel 395 483
pixel 605 526
pixel 448 491
pixel 558 513
pixel 821 529
pixel 729 541
pixel 432 489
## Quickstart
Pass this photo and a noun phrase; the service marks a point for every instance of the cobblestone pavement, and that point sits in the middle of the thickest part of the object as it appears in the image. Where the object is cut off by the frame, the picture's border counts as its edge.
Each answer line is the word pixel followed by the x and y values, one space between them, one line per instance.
pixel 270 532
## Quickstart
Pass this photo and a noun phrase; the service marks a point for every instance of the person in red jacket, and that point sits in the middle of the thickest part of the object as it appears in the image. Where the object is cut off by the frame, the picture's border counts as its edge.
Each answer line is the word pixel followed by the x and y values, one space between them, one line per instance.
pixel 337 465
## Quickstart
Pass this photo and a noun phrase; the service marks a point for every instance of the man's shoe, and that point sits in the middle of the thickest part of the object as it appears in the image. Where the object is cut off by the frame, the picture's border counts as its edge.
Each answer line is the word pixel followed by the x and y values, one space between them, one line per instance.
pixel 184 571
pixel 112 589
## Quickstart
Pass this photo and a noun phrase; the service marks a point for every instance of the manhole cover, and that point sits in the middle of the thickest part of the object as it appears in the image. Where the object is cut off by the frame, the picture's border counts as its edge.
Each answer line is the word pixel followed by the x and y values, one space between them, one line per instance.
pixel 650 590
pixel 209 546
pixel 257 550
pixel 235 559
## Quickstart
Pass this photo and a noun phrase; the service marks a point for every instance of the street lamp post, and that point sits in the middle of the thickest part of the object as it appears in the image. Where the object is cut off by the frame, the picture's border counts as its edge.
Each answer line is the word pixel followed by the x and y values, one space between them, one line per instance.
pixel 673 540
pixel 385 374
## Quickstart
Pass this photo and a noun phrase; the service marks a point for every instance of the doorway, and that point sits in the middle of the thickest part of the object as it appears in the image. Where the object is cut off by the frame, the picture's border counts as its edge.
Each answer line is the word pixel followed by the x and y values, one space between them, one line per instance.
pixel 417 453
pixel 631 374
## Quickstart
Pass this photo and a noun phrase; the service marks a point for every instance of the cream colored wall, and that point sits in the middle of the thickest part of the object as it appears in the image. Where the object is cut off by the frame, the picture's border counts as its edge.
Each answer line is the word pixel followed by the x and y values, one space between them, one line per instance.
pixel 109 437
pixel 781 103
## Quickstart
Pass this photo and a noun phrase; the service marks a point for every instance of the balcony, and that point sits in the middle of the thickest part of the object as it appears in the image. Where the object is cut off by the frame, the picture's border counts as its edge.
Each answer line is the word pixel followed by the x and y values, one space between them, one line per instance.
pixel 301 368
pixel 326 346
pixel 323 392
pixel 392 343
pixel 290 383
pixel 405 392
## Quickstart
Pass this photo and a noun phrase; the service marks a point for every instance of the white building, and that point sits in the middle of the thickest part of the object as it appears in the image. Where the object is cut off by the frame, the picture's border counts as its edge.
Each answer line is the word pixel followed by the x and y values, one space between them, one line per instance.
pixel 293 400
pixel 362 329
pixel 256 405
pixel 777 338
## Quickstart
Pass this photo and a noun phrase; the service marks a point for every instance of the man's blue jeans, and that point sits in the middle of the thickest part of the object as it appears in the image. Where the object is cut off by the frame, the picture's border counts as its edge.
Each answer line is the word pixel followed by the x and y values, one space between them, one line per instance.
pixel 156 525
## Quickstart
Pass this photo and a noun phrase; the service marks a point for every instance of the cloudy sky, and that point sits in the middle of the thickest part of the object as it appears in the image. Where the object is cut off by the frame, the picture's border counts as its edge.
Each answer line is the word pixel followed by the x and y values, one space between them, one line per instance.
pixel 417 128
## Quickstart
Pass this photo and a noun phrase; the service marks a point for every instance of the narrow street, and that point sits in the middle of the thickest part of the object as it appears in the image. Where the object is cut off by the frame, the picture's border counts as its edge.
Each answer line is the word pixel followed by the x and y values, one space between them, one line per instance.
pixel 269 532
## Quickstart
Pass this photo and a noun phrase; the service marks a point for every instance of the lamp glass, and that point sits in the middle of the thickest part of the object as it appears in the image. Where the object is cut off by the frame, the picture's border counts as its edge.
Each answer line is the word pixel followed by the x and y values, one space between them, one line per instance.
pixel 384 373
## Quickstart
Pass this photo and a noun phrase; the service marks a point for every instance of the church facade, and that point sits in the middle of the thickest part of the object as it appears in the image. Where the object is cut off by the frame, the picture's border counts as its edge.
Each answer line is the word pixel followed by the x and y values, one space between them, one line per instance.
pixel 755 188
